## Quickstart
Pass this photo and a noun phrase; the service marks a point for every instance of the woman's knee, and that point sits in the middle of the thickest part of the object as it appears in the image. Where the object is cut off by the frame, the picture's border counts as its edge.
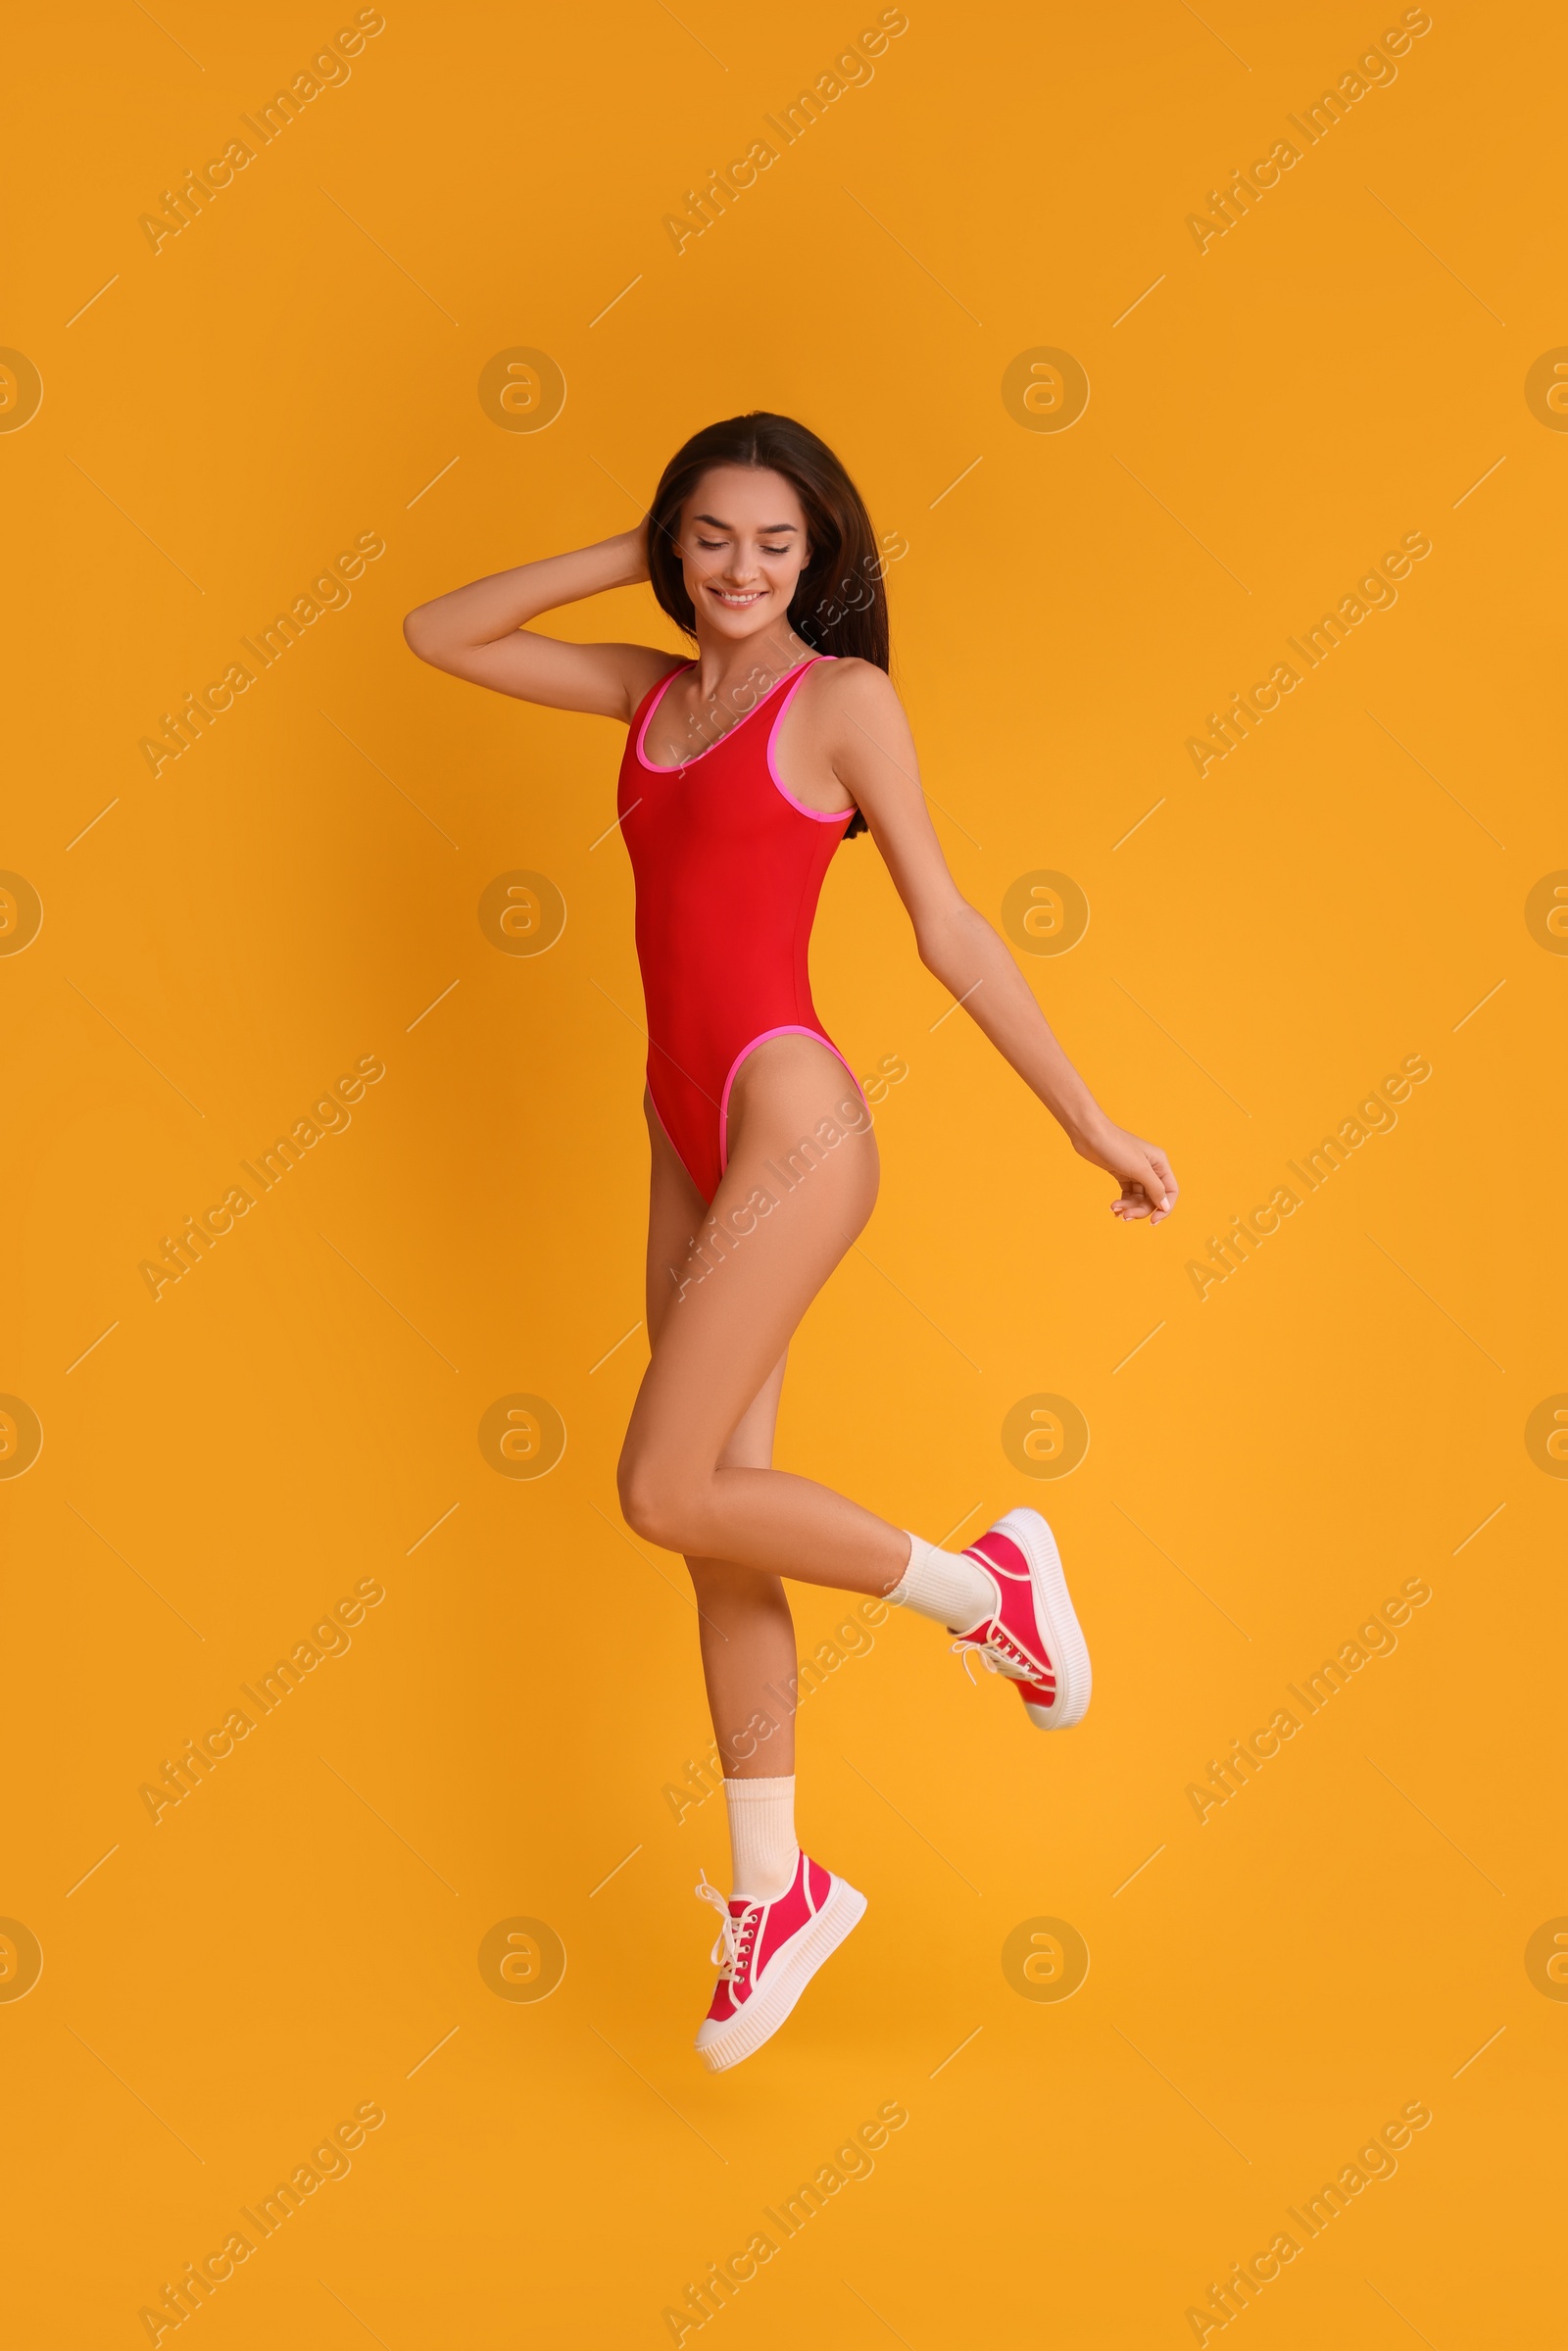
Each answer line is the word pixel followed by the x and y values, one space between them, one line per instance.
pixel 659 1501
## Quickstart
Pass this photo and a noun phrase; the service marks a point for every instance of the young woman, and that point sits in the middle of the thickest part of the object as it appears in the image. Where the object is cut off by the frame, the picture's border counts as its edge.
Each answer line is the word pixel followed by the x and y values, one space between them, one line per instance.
pixel 743 770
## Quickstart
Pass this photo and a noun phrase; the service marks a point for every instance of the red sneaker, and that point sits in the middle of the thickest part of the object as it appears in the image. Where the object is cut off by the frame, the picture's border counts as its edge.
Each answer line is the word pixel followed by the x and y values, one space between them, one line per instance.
pixel 1033 1635
pixel 767 1953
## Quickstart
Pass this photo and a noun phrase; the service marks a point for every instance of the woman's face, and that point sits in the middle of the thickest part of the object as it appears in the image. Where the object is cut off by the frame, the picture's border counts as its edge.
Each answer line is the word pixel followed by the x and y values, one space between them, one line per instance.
pixel 743 547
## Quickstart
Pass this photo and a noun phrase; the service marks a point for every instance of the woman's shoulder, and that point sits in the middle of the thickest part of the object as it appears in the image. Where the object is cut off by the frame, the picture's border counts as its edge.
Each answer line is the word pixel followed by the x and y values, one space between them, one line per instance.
pixel 647 668
pixel 857 685
pixel 650 663
pixel 857 698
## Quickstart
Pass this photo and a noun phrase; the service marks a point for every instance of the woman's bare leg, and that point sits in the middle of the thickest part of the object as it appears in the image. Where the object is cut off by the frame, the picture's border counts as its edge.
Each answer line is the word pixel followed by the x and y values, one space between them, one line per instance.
pixel 747 1631
pixel 799 1185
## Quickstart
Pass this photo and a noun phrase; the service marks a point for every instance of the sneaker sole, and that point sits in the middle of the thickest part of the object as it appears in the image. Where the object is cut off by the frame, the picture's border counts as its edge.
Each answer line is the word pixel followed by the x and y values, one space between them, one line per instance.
pixel 770 2005
pixel 1069 1650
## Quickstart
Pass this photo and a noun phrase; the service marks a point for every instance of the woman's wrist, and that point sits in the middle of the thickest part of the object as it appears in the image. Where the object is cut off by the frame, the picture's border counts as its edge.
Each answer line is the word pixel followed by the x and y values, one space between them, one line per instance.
pixel 1086 1126
pixel 631 548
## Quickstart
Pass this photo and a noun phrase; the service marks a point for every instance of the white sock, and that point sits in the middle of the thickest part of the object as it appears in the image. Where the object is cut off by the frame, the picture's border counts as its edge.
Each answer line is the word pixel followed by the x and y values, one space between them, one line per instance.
pixel 762 1837
pixel 945 1586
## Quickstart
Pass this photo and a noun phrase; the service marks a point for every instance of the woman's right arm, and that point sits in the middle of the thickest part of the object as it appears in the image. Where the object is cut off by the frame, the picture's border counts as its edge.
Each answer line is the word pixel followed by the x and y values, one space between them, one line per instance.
pixel 478 632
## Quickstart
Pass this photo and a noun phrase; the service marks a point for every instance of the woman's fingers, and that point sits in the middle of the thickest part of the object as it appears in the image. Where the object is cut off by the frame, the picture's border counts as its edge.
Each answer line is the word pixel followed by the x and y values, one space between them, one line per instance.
pixel 1151 1193
pixel 1162 1167
pixel 1169 1186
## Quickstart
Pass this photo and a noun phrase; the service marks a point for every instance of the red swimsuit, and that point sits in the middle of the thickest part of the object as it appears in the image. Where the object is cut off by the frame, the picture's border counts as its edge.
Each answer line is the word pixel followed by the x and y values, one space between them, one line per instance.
pixel 728 867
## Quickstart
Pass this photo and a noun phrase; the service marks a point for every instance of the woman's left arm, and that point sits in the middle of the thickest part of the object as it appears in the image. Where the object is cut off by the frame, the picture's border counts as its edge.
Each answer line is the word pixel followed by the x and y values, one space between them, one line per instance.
pixel 874 759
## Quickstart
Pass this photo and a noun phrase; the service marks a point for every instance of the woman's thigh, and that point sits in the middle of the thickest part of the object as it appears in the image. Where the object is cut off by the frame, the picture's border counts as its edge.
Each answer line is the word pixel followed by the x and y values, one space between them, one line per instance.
pixel 800 1184
pixel 676 1215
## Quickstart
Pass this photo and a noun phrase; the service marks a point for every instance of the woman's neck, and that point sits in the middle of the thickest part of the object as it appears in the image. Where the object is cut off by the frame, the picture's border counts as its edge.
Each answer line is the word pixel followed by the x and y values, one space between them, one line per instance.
pixel 726 670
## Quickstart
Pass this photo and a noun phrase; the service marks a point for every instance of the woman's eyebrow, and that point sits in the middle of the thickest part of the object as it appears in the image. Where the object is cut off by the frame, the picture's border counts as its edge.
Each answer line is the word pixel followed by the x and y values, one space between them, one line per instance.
pixel 769 530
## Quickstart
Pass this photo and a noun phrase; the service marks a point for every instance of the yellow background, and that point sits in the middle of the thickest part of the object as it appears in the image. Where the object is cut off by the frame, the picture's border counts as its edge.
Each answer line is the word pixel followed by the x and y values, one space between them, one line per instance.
pixel 293 369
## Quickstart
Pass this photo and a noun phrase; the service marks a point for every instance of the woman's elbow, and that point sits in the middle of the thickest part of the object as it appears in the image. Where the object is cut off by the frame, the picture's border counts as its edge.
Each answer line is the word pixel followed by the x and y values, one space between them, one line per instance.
pixel 942 938
pixel 423 634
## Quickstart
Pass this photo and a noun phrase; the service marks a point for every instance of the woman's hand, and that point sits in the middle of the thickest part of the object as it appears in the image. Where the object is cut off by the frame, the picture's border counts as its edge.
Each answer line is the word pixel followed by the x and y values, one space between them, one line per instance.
pixel 1141 1169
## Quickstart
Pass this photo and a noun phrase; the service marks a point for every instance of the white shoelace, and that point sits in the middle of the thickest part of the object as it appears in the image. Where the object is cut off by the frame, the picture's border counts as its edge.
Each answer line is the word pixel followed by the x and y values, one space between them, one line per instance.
pixel 728 1954
pixel 999 1653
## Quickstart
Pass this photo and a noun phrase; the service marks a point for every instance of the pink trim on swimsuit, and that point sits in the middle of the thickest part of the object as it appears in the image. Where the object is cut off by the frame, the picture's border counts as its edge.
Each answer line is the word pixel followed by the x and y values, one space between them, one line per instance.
pixel 818 815
pixel 658 693
pixel 746 1054
pixel 791 679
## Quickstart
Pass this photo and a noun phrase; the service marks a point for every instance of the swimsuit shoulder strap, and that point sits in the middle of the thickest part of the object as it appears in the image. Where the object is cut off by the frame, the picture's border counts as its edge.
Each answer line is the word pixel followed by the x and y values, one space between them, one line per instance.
pixel 793 687
pixel 651 700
